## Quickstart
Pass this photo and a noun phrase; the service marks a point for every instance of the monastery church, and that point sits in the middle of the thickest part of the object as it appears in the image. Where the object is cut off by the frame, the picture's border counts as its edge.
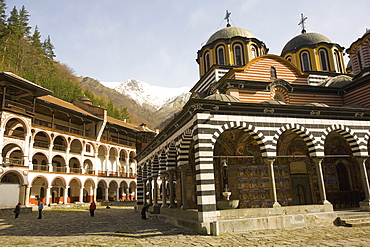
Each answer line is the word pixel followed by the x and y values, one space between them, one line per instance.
pixel 266 141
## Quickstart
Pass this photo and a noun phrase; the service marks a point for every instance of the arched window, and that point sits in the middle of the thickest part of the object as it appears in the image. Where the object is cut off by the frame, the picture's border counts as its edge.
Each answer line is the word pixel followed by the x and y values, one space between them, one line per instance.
pixel 254 51
pixel 337 62
pixel 273 74
pixel 305 61
pixel 324 59
pixel 238 54
pixel 289 58
pixel 206 62
pixel 220 55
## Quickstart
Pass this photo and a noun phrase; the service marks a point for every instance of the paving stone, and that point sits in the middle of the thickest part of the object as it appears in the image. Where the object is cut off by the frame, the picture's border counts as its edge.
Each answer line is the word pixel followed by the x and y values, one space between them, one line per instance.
pixel 122 226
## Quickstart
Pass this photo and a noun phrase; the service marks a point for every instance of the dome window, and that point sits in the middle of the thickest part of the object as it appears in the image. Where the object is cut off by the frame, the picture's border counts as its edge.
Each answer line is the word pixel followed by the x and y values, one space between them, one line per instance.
pixel 289 58
pixel 254 51
pixel 220 55
pixel 206 62
pixel 324 59
pixel 337 62
pixel 238 54
pixel 305 61
pixel 273 74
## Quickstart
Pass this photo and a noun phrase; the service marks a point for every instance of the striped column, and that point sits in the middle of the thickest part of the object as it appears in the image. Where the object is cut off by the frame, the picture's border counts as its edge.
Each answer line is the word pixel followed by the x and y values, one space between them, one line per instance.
pixel 140 188
pixel 206 198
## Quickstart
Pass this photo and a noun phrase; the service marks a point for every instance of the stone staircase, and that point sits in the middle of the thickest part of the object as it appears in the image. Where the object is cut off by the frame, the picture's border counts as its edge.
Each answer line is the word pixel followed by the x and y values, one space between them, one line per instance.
pixel 352 217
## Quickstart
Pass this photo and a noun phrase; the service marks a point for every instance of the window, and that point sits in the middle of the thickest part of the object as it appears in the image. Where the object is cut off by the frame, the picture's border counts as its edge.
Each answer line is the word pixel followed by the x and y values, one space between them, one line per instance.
pixel 289 58
pixel 254 51
pixel 220 55
pixel 206 62
pixel 238 54
pixel 337 62
pixel 279 97
pixel 88 148
pixel 273 74
pixel 324 59
pixel 359 60
pixel 305 61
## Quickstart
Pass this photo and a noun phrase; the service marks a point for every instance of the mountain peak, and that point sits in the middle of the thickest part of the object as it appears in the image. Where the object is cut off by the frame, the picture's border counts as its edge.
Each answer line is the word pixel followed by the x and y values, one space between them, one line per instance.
pixel 148 95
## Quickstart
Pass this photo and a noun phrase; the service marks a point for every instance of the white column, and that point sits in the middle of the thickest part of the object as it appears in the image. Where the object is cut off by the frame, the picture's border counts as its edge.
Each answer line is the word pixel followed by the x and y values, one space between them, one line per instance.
pixel 106 198
pixel 164 191
pixel 365 204
pixel 118 195
pixel 1 142
pixel 81 197
pixel 270 163
pixel 65 196
pixel 321 182
pixel 27 198
pixel 47 199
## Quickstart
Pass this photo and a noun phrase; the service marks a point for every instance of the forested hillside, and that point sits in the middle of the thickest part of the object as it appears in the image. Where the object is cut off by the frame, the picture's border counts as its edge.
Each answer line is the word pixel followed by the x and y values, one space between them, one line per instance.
pixel 24 53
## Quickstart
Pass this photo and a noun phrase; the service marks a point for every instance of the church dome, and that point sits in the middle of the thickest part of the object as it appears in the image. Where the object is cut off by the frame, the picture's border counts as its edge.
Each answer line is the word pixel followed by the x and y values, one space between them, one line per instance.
pixel 222 97
pixel 304 40
pixel 229 32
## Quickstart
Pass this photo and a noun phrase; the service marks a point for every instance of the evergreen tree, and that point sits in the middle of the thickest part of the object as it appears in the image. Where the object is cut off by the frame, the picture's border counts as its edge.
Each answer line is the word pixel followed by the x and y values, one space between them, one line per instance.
pixel 36 38
pixel 2 18
pixel 23 22
pixel 48 48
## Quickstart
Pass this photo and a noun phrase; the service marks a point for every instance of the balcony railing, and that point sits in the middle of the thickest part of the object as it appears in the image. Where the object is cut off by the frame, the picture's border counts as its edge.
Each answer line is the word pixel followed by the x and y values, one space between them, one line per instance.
pixel 75 170
pixel 16 105
pixel 13 162
pixel 59 147
pixel 40 168
pixel 118 140
pixel 59 169
pixel 90 171
pixel 41 144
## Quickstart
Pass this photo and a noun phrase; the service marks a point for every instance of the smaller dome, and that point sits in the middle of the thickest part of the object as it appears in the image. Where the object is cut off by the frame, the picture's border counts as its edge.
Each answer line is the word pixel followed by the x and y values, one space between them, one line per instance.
pixel 86 100
pixel 337 81
pixel 229 32
pixel 222 97
pixel 304 40
pixel 317 104
pixel 273 102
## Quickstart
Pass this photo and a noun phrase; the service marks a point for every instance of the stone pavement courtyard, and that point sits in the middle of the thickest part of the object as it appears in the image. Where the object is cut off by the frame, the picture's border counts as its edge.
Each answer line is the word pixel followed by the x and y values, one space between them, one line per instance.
pixel 122 226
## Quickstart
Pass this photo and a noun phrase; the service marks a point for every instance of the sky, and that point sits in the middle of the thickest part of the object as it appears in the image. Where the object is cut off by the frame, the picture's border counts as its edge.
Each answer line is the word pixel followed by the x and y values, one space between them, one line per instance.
pixel 156 41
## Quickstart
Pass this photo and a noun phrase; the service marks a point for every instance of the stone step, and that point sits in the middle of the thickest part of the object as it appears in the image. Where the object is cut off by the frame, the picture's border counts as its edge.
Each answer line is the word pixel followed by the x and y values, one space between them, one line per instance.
pixel 352 218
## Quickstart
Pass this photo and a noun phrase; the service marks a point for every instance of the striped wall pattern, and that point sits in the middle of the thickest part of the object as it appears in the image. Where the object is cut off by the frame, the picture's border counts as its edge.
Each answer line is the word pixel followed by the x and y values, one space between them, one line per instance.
pixel 347 134
pixel 282 91
pixel 351 98
pixel 171 157
pixel 184 147
pixel 140 187
pixel 163 161
pixel 155 167
pixel 204 171
pixel 259 70
pixel 248 128
pixel 301 131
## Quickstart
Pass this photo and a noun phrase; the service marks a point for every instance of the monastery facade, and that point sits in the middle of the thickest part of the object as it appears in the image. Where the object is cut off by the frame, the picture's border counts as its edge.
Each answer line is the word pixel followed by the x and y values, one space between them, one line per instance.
pixel 266 141
pixel 62 152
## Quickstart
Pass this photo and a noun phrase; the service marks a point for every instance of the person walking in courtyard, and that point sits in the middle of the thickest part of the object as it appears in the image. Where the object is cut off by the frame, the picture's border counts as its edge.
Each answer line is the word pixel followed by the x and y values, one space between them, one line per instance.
pixel 17 210
pixel 92 209
pixel 144 210
pixel 41 207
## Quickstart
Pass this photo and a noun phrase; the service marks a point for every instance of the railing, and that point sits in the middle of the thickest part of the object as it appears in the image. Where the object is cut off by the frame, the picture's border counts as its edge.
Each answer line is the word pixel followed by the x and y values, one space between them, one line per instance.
pixel 75 170
pixel 13 162
pixel 59 169
pixel 43 123
pixel 76 150
pixel 90 171
pixel 41 144
pixel 64 128
pixel 59 147
pixel 40 168
pixel 345 199
pixel 13 104
pixel 118 140
pixel 128 175
pixel 16 133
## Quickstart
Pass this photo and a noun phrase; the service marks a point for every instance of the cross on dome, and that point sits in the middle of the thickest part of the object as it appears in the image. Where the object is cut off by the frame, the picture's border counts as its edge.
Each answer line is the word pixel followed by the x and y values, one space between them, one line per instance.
pixel 302 23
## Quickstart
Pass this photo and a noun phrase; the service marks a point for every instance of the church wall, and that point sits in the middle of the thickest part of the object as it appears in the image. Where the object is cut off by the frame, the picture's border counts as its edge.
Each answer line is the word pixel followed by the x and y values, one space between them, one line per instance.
pixel 352 97
pixel 260 71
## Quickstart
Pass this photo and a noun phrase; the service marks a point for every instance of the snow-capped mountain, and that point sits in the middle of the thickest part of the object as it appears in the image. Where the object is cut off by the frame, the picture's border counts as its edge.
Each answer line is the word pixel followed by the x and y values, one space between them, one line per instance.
pixel 149 95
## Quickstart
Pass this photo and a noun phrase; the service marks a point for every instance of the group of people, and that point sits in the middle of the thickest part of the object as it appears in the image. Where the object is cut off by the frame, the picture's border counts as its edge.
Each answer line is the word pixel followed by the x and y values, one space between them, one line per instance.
pixel 17 209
